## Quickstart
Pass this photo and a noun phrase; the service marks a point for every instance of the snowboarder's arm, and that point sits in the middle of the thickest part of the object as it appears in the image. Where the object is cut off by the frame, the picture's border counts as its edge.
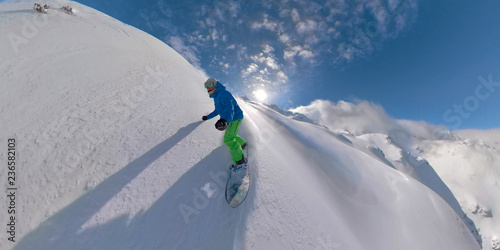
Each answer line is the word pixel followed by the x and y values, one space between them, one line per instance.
pixel 212 115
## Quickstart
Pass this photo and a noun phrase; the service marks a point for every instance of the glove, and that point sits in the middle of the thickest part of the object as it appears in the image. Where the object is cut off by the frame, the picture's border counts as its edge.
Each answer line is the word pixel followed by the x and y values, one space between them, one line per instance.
pixel 204 118
pixel 221 125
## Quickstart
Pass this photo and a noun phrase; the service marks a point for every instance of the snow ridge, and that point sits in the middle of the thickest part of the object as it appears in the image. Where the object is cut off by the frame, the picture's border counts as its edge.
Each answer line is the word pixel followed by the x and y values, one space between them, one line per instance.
pixel 427 153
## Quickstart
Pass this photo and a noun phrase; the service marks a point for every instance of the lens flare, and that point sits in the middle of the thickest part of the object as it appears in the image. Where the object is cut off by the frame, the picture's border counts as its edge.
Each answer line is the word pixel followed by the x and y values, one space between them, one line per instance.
pixel 260 94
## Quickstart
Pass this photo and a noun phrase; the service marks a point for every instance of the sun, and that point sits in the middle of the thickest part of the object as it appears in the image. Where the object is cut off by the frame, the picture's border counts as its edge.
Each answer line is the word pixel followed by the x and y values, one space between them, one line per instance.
pixel 260 94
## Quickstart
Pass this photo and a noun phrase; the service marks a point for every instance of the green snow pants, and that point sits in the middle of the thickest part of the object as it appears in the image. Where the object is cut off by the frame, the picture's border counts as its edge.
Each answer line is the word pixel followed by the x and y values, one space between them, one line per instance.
pixel 233 141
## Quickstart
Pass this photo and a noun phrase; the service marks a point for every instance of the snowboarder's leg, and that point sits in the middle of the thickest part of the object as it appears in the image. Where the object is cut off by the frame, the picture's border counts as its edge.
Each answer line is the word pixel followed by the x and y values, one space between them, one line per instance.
pixel 232 141
pixel 240 140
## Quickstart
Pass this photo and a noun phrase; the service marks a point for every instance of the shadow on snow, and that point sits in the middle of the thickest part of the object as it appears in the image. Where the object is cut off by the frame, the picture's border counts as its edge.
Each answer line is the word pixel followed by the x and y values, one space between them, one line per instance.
pixel 184 217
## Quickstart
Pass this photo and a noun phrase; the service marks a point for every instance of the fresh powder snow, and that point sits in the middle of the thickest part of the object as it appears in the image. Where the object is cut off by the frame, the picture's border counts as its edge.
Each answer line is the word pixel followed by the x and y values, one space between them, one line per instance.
pixel 111 153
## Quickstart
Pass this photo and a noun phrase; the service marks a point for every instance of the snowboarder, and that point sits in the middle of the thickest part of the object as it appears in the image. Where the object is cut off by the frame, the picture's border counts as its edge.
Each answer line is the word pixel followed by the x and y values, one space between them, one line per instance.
pixel 230 120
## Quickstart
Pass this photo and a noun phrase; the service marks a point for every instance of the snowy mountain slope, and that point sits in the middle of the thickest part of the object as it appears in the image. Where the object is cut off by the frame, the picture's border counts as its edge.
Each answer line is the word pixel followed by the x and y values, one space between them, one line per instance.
pixel 471 168
pixel 364 195
pixel 461 166
pixel 113 155
pixel 84 97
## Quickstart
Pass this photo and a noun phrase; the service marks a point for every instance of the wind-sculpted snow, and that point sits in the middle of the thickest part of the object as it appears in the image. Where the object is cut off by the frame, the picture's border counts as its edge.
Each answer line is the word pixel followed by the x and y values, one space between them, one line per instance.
pixel 113 155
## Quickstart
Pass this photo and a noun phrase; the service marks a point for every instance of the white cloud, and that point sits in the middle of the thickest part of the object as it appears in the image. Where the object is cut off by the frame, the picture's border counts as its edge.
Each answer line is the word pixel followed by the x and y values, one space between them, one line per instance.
pixel 227 9
pixel 250 69
pixel 234 8
pixel 210 22
pixel 359 118
pixel 267 60
pixel 295 15
pixel 265 69
pixel 213 34
pixel 266 57
pixel 297 50
pixel 348 51
pixel 400 22
pixel 308 26
pixel 305 53
pixel 346 22
pixel 261 79
pixel 282 77
pixel 265 24
pixel 264 72
pixel 284 38
pixel 203 10
pixel 284 12
pixel 365 117
pixel 268 49
pixel 302 31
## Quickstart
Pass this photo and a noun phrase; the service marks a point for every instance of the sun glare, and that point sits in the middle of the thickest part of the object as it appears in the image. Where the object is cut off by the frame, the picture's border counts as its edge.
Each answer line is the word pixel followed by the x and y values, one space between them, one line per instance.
pixel 260 94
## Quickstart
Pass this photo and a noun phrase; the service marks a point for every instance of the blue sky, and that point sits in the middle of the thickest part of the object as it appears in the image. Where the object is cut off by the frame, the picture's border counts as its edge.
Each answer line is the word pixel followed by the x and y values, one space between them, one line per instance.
pixel 436 61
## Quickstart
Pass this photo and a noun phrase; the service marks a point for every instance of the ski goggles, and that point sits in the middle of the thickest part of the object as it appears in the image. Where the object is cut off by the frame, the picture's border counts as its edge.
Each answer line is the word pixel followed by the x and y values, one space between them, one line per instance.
pixel 210 83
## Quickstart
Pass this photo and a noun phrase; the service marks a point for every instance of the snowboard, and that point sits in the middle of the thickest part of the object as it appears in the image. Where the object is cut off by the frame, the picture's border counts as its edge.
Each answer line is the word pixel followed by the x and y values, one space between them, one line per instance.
pixel 238 184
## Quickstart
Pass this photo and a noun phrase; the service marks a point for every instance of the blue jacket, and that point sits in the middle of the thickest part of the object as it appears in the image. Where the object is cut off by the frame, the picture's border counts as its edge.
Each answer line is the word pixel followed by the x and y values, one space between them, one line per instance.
pixel 225 105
